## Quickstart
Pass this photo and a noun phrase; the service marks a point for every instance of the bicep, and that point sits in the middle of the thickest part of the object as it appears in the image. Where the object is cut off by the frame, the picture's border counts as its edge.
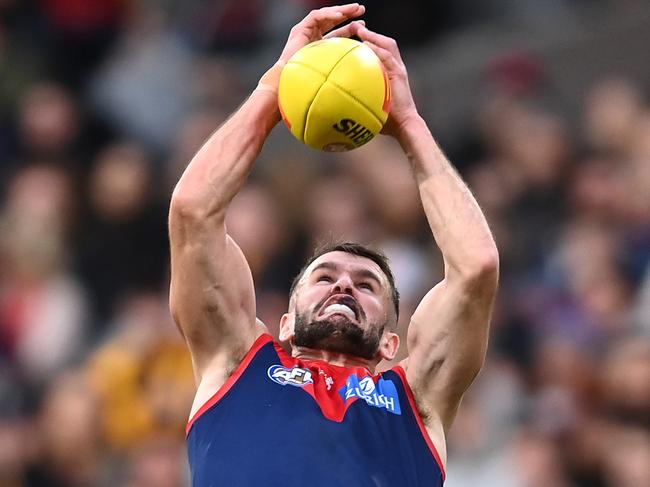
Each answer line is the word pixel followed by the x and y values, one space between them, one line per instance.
pixel 447 341
pixel 212 298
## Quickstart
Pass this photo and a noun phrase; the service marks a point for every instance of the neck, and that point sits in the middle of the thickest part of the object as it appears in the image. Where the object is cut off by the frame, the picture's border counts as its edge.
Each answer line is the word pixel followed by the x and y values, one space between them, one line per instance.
pixel 334 358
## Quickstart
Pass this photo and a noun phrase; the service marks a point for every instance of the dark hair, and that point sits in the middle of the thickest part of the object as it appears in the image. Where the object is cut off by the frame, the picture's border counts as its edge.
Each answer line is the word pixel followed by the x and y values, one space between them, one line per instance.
pixel 355 249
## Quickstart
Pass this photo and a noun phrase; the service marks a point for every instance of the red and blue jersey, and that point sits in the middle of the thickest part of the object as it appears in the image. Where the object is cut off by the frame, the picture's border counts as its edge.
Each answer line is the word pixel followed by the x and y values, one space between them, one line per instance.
pixel 281 421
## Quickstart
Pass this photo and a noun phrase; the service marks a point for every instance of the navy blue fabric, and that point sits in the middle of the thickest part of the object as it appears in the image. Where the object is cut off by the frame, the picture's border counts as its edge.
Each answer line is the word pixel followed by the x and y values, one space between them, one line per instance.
pixel 265 434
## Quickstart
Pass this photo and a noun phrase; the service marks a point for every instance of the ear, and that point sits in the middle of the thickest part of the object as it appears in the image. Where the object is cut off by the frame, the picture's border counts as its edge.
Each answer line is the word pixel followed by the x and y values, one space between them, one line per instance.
pixel 287 323
pixel 389 345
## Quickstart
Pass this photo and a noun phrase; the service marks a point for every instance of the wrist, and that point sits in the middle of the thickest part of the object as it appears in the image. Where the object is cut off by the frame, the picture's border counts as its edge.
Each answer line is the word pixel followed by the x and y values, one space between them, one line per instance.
pixel 267 88
pixel 270 81
pixel 420 148
pixel 410 129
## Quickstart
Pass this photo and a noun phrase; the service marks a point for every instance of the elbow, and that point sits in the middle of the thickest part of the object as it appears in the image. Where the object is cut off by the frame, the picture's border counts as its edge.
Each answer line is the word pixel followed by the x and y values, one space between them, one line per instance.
pixel 183 205
pixel 189 220
pixel 189 206
pixel 482 270
pixel 488 262
pixel 486 273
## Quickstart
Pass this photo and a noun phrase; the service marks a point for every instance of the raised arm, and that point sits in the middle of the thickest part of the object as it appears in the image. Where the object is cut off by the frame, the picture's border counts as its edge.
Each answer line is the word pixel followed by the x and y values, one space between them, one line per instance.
pixel 212 297
pixel 448 333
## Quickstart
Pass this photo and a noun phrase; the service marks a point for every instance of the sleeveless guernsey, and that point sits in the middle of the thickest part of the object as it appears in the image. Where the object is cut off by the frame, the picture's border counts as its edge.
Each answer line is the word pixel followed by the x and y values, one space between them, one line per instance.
pixel 280 421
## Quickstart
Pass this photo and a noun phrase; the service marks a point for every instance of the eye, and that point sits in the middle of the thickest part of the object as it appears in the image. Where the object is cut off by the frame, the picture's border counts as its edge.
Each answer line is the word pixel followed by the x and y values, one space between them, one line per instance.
pixel 324 278
pixel 365 285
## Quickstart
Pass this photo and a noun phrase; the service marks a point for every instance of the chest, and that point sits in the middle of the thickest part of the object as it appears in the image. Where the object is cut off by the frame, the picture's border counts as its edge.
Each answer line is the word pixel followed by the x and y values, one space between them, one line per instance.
pixel 332 391
pixel 294 420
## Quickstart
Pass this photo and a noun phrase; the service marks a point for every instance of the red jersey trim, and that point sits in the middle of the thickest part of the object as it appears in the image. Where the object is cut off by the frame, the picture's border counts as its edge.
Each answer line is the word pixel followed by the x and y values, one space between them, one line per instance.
pixel 331 405
pixel 223 390
pixel 409 393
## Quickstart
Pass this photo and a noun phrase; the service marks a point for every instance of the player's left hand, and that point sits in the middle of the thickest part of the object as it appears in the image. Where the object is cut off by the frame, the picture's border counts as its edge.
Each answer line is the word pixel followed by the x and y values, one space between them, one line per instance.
pixel 317 23
pixel 403 107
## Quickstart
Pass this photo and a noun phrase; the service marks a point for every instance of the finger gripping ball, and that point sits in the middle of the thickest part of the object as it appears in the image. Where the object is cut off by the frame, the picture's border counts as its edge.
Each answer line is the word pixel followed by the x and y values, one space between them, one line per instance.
pixel 334 94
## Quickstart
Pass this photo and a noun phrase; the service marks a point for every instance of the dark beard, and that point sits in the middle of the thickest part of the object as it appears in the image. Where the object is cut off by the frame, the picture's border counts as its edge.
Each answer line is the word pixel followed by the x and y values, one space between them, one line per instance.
pixel 337 334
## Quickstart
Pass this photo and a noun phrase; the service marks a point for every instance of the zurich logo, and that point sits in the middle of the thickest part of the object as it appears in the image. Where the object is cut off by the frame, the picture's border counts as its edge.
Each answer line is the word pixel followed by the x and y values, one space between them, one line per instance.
pixel 367 385
pixel 295 376
pixel 382 395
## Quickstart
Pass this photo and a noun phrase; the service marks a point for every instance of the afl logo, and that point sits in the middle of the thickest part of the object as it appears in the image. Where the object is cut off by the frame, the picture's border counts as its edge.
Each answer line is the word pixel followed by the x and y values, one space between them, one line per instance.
pixel 294 377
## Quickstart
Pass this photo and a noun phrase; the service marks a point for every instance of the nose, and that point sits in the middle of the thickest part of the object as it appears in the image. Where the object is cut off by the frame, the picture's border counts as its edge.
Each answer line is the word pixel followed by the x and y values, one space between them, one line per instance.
pixel 343 284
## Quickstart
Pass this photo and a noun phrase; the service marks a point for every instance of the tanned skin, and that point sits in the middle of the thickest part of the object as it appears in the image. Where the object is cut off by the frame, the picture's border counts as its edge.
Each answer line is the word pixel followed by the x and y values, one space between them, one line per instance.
pixel 212 296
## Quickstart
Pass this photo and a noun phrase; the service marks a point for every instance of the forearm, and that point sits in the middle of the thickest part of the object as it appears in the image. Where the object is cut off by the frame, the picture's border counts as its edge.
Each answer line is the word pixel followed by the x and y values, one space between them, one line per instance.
pixel 221 166
pixel 456 220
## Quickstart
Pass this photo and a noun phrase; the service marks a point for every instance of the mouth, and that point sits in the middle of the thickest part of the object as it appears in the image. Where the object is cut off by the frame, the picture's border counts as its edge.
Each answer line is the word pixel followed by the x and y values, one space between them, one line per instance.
pixel 341 304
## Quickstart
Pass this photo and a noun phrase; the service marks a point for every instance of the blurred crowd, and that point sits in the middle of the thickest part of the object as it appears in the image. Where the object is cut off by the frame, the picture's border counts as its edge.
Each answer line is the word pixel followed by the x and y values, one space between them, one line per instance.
pixel 103 103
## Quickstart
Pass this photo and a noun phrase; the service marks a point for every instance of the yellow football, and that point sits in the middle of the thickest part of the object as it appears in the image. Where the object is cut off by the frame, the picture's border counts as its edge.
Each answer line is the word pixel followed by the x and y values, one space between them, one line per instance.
pixel 334 94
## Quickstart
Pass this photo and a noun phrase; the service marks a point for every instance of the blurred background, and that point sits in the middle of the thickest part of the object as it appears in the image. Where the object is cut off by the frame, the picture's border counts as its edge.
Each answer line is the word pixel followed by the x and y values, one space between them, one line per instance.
pixel 541 104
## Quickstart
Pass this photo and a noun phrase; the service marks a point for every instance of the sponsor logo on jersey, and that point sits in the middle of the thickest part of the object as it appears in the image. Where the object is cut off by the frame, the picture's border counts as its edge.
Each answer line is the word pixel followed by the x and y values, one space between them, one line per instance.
pixel 295 376
pixel 381 395
pixel 329 382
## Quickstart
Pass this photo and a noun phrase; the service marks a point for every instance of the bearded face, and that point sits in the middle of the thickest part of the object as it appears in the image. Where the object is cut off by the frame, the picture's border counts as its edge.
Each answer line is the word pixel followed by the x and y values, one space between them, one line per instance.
pixel 338 333
pixel 343 305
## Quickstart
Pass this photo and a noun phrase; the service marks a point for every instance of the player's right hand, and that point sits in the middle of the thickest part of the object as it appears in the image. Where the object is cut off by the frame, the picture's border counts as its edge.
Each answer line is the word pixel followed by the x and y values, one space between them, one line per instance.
pixel 403 109
pixel 317 23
